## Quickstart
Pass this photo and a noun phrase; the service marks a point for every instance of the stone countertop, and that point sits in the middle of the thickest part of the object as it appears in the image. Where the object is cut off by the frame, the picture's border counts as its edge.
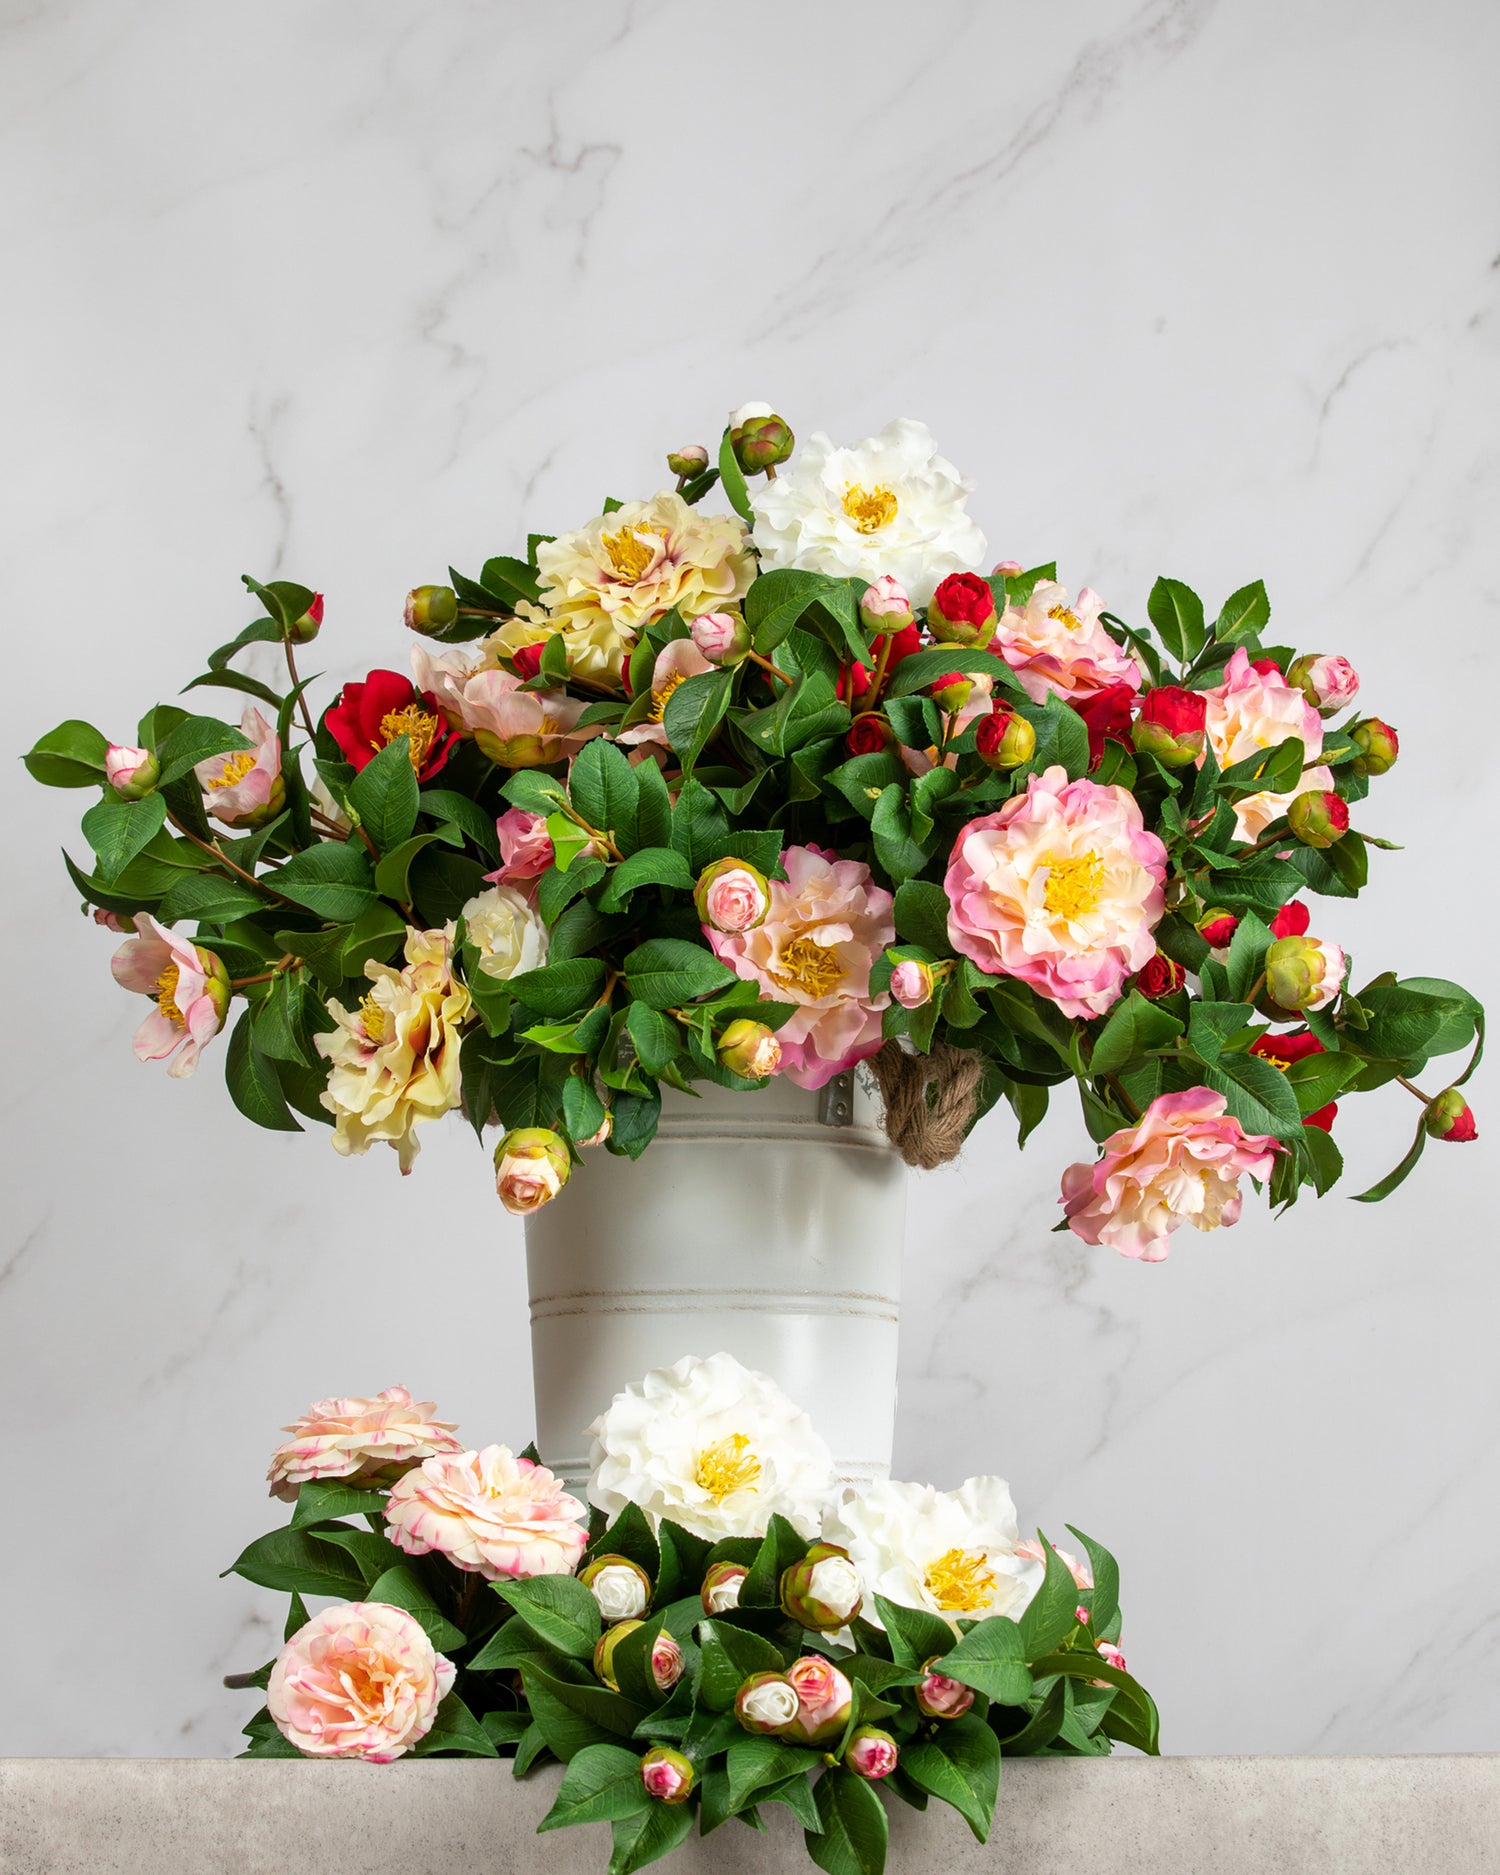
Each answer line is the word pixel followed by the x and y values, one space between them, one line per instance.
pixel 1169 1816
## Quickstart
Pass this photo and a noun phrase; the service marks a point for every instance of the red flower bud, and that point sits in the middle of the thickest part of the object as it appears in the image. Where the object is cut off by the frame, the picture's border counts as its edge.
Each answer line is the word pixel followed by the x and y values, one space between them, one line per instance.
pixel 869 735
pixel 304 629
pixel 962 611
pixel 1161 976
pixel 1450 1117
pixel 1265 667
pixel 1378 746
pixel 526 661
pixel 1318 817
pixel 952 692
pixel 1291 921
pixel 854 679
pixel 1218 927
pixel 1170 725
pixel 1106 716
pixel 1005 740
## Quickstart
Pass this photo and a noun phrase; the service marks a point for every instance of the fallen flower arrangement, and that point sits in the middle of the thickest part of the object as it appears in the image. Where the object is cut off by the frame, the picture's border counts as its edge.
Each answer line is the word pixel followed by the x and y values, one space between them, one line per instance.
pixel 728 1630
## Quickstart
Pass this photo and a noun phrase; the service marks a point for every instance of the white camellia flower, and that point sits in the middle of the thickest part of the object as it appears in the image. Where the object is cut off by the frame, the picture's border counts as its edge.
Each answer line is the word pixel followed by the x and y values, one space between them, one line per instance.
pixel 712 1446
pixel 951 1552
pixel 506 930
pixel 889 505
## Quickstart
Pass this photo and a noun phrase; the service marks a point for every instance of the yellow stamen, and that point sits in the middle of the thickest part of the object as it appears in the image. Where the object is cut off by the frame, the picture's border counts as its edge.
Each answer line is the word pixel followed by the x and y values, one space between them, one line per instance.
pixel 1075 884
pixel 870 509
pixel 235 769
pixel 629 554
pixel 420 725
pixel 166 993
pixel 960 1579
pixel 372 1019
pixel 808 966
pixel 661 694
pixel 1065 617
pixel 728 1466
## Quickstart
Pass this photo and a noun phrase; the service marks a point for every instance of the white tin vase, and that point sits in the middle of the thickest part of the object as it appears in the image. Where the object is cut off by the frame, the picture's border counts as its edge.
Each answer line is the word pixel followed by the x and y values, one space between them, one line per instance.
pixel 769 1224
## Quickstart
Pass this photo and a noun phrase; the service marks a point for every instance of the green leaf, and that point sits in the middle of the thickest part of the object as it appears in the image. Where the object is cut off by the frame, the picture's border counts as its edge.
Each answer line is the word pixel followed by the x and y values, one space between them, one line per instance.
pixel 603 788
pixel 700 828
pixel 694 711
pixel 1103 1599
pixel 664 972
pixel 656 1832
pixel 755 1763
pixel 854 1832
pixel 649 865
pixel 195 740
pixel 456 1729
pixel 442 883
pixel 560 989
pixel 915 1634
pixel 1257 1093
pixel 117 831
pixel 302 1563
pixel 636 1117
pixel 401 1587
pixel 733 478
pixel 1403 1022
pixel 70 756
pixel 558 1609
pixel 991 1658
pixel 506 1728
pixel 1383 1188
pixel 1131 1696
pixel 925 667
pixel 921 914
pixel 373 1553
pixel 601 1784
pixel 1264 885
pixel 1061 736
pixel 1135 1026
pixel 384 795
pixel 961 1766
pixel 607 1715
pixel 318 1503
pixel 1211 1024
pixel 1177 613
pixel 1051 1615
pixel 780 1548
pixel 655 1037
pixel 1244 615
pixel 897 850
pixel 1247 954
pixel 730 1656
pixel 252 1082
pixel 459 811
pixel 208 899
pixel 1273 770
pixel 332 879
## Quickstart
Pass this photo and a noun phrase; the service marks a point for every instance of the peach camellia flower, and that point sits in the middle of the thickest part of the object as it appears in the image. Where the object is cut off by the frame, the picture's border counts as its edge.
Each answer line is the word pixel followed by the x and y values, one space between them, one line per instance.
pixel 393 1062
pixel 361 1680
pixel 368 1442
pixel 1254 710
pixel 245 788
pixel 1052 646
pixel 489 1512
pixel 532 1164
pixel 1180 1163
pixel 826 926
pixel 1062 889
pixel 521 728
pixel 190 987
pixel 675 662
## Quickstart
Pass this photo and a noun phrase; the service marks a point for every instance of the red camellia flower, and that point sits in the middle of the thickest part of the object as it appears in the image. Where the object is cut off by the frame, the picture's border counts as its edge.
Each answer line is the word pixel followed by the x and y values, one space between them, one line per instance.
pixel 963 599
pixel 868 736
pixel 1106 716
pixel 1282 1050
pixel 1291 921
pixel 1161 977
pixel 369 715
pixel 1177 710
pixel 854 679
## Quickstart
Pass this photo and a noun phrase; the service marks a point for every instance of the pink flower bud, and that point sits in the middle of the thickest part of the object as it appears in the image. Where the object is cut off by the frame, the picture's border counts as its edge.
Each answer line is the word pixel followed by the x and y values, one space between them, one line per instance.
pixel 431 609
pixel 732 897
pixel 526 661
pixel 1330 684
pixel 721 637
pixel 872 1753
pixel 942 1698
pixel 823 1590
pixel 525 848
pixel 824 1699
pixel 532 1164
pixel 1304 973
pixel 1006 569
pixel 690 460
pixel 884 605
pixel 1450 1117
pixel 667 1775
pixel 1111 1654
pixel 604 1649
pixel 606 1127
pixel 912 983
pixel 112 921
pixel 1378 746
pixel 749 1049
pixel 132 773
pixel 721 1588
pixel 1082 1616
pixel 666 1662
pixel 767 1704
pixel 1318 817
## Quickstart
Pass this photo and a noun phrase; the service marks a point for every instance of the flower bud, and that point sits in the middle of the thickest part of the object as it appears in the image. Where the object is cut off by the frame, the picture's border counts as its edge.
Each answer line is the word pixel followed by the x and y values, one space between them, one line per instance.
pixel 1292 920
pixel 666 1662
pixel 731 897
pixel 667 1775
pixel 871 1753
pixel 690 460
pixel 749 1049
pixel 532 1164
pixel 113 921
pixel 759 438
pixel 1318 817
pixel 1303 973
pixel 431 609
pixel 621 1587
pixel 1160 976
pixel 912 983
pixel 1378 746
pixel 952 692
pixel 132 773
pixel 721 637
pixel 1170 725
pixel 869 735
pixel 1111 1655
pixel 823 1590
pixel 303 630
pixel 1004 739
pixel 941 1698
pixel 884 606
pixel 766 1703
pixel 215 982
pixel 1330 684
pixel 526 661
pixel 1006 569
pixel 1450 1117
pixel 1217 927
pixel 605 1128
pixel 604 1650
pixel 962 610
pixel 721 1588
pixel 824 1700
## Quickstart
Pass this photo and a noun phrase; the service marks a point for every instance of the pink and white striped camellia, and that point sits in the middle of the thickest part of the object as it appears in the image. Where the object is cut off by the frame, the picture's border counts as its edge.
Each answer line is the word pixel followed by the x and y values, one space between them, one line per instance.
pixel 360 1441
pixel 490 1512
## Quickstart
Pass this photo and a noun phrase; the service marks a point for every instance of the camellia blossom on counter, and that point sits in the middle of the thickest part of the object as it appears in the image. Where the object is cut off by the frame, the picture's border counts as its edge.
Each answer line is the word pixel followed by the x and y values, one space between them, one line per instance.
pixel 360 1680
pixel 363 1442
pixel 488 1511
pixel 951 1552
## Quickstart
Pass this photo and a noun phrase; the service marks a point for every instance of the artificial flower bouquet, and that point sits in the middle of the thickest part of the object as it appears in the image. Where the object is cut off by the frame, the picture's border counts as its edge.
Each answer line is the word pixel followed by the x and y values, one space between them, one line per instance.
pixel 719 796
pixel 727 1632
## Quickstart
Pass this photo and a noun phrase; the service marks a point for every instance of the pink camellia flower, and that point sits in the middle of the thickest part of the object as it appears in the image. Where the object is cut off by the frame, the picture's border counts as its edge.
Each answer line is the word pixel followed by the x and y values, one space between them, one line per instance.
pixel 1255 710
pixel 675 663
pixel 521 728
pixel 912 983
pixel 885 599
pixel 941 1698
pixel 190 987
pixel 440 678
pixel 132 773
pixel 826 926
pixel 361 1680
pixel 1062 888
pixel 362 1441
pixel 525 848
pixel 731 897
pixel 872 1753
pixel 1080 1571
pixel 1179 1164
pixel 1006 569
pixel 1051 645
pixel 489 1512
pixel 824 1697
pixel 244 788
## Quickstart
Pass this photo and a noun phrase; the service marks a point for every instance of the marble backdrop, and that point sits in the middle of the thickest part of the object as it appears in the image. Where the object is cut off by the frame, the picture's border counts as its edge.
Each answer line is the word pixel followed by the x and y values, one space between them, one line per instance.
pixel 344 291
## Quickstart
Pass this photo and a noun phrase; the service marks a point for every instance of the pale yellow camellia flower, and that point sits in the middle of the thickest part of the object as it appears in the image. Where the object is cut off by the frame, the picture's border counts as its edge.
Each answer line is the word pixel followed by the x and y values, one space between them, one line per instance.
pixel 394 1060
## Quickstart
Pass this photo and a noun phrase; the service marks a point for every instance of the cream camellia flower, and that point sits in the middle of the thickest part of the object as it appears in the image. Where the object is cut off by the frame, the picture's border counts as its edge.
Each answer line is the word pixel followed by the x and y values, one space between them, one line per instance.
pixel 360 1441
pixel 361 1680
pixel 890 505
pixel 1254 710
pixel 489 1512
pixel 1054 646
pixel 507 930
pixel 713 1446
pixel 951 1552
pixel 393 1062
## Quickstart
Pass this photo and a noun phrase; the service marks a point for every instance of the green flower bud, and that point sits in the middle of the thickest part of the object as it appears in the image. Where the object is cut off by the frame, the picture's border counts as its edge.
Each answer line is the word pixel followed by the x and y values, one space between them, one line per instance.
pixel 1378 746
pixel 759 438
pixel 749 1049
pixel 431 609
pixel 1004 739
pixel 303 630
pixel 691 459
pixel 604 1651
pixel 1303 973
pixel 1318 817
pixel 667 1775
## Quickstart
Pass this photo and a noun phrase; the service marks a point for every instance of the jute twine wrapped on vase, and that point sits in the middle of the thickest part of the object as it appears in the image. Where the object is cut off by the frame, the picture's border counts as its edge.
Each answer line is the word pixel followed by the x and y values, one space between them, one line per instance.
pixel 929 1100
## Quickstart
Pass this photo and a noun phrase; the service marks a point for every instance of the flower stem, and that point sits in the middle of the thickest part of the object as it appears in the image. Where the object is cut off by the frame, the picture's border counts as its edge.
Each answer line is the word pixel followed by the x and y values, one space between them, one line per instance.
pixel 291 665
pixel 1412 1088
pixel 267 976
pixel 882 663
pixel 226 864
pixel 766 665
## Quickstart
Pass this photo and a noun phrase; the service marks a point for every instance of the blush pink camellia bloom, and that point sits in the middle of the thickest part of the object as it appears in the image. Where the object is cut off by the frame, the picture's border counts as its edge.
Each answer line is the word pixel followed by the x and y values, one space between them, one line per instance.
pixel 190 987
pixel 912 983
pixel 1330 684
pixel 489 1512
pixel 441 678
pixel 132 773
pixel 359 1681
pixel 872 1754
pixel 675 663
pixel 362 1441
pixel 941 1698
pixel 244 788
pixel 1052 646
pixel 722 637
pixel 521 728
pixel 826 926
pixel 731 897
pixel 1061 889
pixel 1181 1163
pixel 1256 710
pixel 824 1697
pixel 525 848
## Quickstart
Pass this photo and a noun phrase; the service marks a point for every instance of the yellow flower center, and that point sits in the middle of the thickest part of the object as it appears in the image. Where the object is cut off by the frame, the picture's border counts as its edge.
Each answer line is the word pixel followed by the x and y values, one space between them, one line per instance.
pixel 166 996
pixel 372 1019
pixel 629 554
pixel 870 509
pixel 235 769
pixel 1065 617
pixel 808 966
pixel 661 695
pixel 420 725
pixel 1074 884
pixel 728 1466
pixel 959 1579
